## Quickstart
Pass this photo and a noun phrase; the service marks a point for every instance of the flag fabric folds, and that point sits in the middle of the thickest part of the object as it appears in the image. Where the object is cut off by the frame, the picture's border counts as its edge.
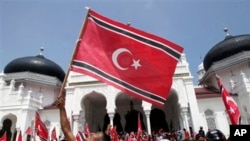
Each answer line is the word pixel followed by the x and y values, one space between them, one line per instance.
pixel 29 131
pixel 40 128
pixel 4 137
pixel 80 136
pixel 114 135
pixel 86 130
pixel 231 106
pixel 19 136
pixel 53 134
pixel 136 62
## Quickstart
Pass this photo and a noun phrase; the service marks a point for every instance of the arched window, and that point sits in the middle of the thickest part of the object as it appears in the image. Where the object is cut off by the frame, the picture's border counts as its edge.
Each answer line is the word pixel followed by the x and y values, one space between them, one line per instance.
pixel 210 119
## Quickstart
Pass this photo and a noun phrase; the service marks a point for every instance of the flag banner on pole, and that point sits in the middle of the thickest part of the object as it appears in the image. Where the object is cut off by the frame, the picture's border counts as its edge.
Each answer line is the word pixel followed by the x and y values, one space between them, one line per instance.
pixel 29 131
pixel 53 134
pixel 86 130
pixel 114 135
pixel 136 62
pixel 40 128
pixel 19 136
pixel 139 128
pixel 231 106
pixel 4 137
pixel 80 136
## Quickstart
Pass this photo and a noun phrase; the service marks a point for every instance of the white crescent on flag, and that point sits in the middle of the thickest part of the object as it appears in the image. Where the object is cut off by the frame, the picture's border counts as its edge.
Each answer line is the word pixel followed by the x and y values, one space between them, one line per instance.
pixel 135 64
pixel 115 56
pixel 230 99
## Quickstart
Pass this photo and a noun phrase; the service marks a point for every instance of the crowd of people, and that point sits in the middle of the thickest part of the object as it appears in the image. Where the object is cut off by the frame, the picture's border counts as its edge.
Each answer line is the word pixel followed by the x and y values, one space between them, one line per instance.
pixel 108 135
pixel 178 135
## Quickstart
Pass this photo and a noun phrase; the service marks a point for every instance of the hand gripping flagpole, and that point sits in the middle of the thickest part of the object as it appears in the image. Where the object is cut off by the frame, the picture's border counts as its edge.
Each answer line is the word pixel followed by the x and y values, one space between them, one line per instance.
pixel 62 90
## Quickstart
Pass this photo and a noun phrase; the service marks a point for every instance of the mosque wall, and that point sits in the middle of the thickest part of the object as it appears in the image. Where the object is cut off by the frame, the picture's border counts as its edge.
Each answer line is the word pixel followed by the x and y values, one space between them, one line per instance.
pixel 217 113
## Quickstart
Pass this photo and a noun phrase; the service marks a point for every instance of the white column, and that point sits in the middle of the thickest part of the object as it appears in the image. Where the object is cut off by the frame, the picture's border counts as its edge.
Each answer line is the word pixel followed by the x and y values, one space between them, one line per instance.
pixel 192 101
pixel 111 117
pixel 147 109
pixel 75 123
pixel 147 113
pixel 184 116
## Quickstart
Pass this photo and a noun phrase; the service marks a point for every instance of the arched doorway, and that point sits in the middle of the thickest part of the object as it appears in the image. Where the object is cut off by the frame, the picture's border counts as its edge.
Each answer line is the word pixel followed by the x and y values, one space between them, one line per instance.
pixel 166 117
pixel 6 129
pixel 129 108
pixel 8 125
pixel 94 109
pixel 158 120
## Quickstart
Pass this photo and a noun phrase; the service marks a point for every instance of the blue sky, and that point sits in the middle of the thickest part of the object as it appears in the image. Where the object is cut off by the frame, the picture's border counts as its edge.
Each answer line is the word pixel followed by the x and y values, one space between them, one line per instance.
pixel 27 25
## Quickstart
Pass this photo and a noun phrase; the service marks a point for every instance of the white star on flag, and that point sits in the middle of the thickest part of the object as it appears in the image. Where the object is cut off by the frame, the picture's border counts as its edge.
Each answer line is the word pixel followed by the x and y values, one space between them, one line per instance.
pixel 136 64
pixel 231 110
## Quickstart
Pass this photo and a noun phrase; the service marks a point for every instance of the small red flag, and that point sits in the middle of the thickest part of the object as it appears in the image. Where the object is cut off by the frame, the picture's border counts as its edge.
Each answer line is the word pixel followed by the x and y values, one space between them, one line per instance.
pixel 29 131
pixel 86 130
pixel 231 106
pixel 139 130
pixel 4 137
pixel 80 136
pixel 40 128
pixel 19 136
pixel 53 134
pixel 136 62
pixel 114 135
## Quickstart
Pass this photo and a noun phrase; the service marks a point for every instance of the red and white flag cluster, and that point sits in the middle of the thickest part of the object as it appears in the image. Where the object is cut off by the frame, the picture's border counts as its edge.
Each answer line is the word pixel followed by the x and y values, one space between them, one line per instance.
pixel 83 135
pixel 19 136
pixel 231 106
pixel 40 128
pixel 53 134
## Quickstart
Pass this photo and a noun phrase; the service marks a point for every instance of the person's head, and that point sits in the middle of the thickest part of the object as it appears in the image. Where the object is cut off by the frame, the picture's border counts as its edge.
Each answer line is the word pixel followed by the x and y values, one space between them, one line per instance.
pixel 201 127
pixel 215 135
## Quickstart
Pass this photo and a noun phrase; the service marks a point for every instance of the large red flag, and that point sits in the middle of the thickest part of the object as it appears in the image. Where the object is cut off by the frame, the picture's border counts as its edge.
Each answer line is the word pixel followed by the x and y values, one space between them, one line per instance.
pixel 230 104
pixel 41 129
pixel 136 62
pixel 53 134
pixel 29 131
pixel 19 136
pixel 4 137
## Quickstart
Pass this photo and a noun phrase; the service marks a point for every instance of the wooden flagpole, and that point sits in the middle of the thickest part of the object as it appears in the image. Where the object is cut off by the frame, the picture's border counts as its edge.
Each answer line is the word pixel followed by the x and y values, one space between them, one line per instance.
pixel 71 60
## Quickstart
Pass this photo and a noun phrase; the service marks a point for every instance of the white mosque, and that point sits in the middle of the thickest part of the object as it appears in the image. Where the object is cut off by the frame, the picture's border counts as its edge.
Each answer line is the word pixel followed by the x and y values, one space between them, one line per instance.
pixel 32 83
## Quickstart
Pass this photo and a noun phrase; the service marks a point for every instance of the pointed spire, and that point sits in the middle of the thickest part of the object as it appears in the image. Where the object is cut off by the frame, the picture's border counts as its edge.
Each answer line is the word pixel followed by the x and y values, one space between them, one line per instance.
pixel 128 23
pixel 227 33
pixel 41 51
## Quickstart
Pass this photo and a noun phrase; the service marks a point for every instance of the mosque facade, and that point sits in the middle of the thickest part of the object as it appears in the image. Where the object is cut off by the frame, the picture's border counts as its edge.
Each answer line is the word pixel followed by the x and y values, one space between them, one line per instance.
pixel 31 84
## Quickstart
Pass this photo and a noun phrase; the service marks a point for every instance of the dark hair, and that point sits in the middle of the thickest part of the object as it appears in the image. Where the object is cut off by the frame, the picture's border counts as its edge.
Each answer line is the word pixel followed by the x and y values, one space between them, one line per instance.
pixel 215 135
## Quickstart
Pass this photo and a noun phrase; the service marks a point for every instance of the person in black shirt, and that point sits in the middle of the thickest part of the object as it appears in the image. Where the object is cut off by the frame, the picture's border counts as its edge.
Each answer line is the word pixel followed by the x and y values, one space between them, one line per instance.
pixel 201 132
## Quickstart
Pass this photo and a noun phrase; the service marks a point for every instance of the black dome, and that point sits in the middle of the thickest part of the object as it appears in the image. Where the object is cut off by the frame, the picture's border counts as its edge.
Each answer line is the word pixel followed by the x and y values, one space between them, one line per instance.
pixel 37 64
pixel 229 46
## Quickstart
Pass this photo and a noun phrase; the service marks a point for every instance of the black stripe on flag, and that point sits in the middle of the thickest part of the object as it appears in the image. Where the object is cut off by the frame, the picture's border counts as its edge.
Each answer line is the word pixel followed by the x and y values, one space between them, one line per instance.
pixel 167 49
pixel 85 66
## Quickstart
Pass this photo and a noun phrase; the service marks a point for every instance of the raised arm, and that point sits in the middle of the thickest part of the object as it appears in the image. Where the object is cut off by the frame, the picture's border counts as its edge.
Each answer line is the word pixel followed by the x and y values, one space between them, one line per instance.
pixel 64 120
